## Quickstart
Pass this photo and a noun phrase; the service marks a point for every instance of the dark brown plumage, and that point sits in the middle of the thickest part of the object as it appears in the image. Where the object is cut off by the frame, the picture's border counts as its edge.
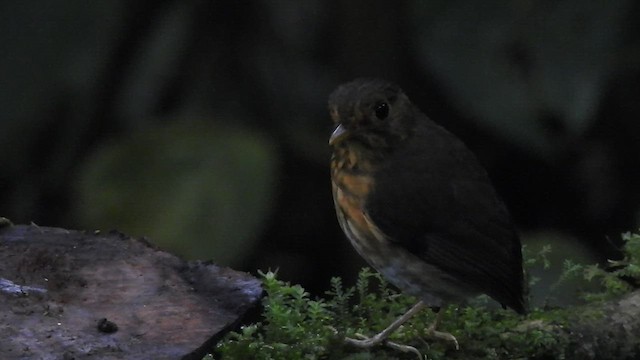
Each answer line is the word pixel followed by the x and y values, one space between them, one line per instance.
pixel 416 203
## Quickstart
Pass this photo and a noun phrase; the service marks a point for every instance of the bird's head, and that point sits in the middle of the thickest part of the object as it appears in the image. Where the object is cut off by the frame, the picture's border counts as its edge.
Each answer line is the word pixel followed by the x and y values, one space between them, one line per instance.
pixel 374 113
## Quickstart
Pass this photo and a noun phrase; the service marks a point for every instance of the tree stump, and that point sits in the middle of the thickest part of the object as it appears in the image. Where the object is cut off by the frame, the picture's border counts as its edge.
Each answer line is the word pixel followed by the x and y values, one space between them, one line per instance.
pixel 77 295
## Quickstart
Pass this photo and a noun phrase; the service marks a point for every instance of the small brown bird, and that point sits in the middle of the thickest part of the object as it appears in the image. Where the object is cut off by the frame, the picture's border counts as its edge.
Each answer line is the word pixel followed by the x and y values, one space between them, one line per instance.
pixel 416 204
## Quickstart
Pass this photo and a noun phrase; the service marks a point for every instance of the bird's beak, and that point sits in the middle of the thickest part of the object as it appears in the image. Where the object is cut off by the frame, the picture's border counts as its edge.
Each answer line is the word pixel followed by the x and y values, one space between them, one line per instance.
pixel 339 134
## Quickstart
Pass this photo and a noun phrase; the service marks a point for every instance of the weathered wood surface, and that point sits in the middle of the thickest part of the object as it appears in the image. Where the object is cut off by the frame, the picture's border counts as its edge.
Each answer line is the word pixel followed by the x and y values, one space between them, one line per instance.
pixel 57 287
pixel 608 331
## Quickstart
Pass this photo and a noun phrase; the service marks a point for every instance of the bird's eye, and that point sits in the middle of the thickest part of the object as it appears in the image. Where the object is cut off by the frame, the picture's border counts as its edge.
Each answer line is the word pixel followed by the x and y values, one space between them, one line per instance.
pixel 382 110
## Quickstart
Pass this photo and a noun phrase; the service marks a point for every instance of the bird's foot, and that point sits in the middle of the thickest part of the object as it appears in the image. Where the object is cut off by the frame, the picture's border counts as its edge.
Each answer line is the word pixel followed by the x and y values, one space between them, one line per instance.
pixel 368 342
pixel 441 335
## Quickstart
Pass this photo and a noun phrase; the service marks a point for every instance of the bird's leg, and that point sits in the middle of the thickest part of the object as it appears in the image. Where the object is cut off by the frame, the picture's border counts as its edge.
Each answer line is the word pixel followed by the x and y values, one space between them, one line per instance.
pixel 432 332
pixel 384 334
pixel 381 337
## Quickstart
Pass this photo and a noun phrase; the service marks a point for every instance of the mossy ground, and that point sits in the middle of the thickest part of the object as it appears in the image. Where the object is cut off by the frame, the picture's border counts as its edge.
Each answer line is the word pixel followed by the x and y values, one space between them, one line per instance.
pixel 296 326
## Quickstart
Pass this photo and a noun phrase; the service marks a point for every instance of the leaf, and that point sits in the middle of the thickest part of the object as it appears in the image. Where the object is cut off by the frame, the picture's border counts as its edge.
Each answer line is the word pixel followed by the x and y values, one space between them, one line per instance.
pixel 201 190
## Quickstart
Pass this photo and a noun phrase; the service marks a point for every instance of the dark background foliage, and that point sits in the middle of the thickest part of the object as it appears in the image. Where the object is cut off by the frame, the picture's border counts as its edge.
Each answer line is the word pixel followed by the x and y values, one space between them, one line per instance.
pixel 203 124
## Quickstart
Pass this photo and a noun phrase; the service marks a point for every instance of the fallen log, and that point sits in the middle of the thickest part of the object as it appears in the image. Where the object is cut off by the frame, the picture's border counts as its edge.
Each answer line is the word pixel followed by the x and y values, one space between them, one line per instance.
pixel 76 295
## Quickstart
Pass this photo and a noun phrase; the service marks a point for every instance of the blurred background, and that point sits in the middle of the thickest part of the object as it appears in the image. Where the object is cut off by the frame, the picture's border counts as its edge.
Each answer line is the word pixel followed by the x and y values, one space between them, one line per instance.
pixel 202 125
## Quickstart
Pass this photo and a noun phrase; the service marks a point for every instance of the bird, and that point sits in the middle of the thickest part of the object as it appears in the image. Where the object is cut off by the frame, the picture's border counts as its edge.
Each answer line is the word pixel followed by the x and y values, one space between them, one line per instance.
pixel 418 206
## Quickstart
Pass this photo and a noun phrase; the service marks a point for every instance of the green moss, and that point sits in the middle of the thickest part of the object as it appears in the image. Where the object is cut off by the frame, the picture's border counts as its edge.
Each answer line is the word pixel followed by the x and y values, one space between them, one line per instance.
pixel 295 326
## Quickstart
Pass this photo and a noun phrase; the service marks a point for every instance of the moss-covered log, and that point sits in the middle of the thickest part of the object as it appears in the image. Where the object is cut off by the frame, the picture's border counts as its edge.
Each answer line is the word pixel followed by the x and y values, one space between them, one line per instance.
pixel 605 331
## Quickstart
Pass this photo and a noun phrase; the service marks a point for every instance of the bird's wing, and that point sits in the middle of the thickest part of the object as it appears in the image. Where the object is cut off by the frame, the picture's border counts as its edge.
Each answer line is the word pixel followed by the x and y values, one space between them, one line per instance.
pixel 440 205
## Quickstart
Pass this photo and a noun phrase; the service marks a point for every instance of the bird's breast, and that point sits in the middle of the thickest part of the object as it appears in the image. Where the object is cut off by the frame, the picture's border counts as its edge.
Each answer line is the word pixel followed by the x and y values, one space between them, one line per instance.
pixel 349 195
pixel 352 183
